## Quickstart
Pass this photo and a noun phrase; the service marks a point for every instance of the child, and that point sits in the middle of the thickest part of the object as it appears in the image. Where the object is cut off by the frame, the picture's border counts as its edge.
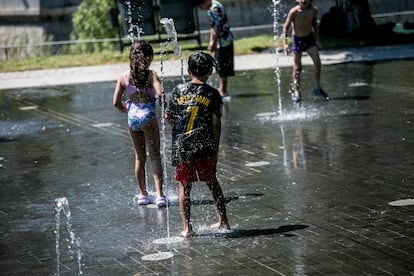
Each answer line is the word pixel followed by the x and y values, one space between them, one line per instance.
pixel 221 41
pixel 142 87
pixel 305 37
pixel 194 111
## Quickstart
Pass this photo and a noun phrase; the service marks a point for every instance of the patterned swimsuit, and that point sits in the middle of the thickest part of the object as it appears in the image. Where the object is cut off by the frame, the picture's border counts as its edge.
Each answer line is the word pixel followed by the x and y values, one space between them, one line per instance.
pixel 139 113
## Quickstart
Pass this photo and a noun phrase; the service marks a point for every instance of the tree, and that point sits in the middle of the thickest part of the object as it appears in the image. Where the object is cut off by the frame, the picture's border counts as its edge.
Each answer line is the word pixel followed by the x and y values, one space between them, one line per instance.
pixel 92 21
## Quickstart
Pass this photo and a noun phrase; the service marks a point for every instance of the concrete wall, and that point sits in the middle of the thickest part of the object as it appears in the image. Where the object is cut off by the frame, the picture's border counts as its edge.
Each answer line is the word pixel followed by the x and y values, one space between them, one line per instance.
pixel 26 22
pixel 12 8
pixel 32 22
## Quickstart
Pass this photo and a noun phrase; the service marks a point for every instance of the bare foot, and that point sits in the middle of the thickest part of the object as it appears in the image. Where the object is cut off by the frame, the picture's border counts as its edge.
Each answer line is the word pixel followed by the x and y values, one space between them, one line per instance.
pixel 187 234
pixel 220 226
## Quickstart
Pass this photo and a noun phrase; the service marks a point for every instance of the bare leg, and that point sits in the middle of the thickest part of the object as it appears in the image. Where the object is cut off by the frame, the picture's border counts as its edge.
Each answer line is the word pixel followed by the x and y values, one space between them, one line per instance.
pixel 185 208
pixel 314 54
pixel 218 197
pixel 138 142
pixel 152 137
pixel 222 87
pixel 297 69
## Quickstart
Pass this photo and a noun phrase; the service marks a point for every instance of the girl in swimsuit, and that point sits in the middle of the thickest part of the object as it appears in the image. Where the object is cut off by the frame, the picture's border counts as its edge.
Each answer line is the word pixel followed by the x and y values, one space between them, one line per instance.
pixel 142 87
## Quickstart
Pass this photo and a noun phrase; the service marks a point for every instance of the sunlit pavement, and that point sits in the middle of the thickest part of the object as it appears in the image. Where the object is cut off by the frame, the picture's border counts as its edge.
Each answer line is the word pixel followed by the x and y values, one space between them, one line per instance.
pixel 316 188
pixel 110 72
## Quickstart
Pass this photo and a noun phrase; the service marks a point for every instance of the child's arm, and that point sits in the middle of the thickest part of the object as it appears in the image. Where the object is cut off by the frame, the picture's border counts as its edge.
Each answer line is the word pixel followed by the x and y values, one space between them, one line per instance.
pixel 216 131
pixel 285 30
pixel 212 46
pixel 169 115
pixel 158 90
pixel 118 92
pixel 156 83
pixel 316 28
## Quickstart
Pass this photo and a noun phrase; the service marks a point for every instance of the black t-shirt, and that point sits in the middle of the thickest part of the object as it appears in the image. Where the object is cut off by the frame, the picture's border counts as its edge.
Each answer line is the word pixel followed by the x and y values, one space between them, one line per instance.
pixel 191 108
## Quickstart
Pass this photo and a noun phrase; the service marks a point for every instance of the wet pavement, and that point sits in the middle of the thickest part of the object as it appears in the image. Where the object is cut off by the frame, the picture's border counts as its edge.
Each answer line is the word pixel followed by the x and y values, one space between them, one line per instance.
pixel 310 188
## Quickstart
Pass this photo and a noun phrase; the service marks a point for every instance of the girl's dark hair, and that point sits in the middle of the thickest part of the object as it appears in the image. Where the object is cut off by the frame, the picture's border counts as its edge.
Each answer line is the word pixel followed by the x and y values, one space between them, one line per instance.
pixel 140 57
pixel 200 64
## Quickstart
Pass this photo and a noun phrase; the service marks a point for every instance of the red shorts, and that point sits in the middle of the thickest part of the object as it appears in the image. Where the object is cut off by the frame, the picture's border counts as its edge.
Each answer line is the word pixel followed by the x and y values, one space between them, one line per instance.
pixel 196 170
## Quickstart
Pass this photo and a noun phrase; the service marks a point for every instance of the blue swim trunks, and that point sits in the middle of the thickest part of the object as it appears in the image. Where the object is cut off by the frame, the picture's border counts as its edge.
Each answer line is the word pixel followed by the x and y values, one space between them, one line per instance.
pixel 139 114
pixel 302 43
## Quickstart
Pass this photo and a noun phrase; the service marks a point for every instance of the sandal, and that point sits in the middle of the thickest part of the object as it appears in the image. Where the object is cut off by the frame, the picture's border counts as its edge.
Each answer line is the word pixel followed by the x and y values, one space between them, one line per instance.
pixel 161 201
pixel 142 199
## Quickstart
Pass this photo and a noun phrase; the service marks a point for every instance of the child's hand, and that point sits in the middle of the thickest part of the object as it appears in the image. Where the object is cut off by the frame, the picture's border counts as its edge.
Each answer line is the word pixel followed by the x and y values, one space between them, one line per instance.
pixel 168 119
pixel 126 106
pixel 212 47
pixel 286 48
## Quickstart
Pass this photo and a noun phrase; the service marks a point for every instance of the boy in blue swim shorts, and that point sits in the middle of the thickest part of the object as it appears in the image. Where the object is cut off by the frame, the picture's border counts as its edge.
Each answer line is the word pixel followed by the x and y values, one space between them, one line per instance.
pixel 194 112
pixel 305 37
pixel 301 44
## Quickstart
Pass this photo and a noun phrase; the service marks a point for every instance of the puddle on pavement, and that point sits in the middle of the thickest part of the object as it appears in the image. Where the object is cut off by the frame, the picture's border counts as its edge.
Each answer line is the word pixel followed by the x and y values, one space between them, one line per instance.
pixel 402 202
pixel 157 256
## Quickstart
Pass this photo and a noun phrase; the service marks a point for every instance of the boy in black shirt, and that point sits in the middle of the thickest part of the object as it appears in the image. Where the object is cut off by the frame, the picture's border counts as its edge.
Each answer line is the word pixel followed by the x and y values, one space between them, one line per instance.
pixel 194 112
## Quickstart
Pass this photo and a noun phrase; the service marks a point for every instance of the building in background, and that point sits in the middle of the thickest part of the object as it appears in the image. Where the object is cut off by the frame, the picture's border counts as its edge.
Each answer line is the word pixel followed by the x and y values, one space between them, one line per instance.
pixel 24 23
pixel 29 22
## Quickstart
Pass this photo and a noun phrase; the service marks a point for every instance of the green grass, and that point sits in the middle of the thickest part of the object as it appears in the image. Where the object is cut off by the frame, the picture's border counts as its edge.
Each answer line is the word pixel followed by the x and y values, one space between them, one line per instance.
pixel 59 61
pixel 242 47
pixel 253 45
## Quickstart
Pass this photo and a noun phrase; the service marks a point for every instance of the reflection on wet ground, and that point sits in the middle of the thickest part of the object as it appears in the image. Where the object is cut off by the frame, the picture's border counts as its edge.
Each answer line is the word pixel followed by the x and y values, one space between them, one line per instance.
pixel 307 187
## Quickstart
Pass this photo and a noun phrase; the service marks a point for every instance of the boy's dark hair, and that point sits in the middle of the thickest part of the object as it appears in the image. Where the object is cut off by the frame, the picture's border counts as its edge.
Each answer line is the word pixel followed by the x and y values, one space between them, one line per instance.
pixel 195 3
pixel 200 64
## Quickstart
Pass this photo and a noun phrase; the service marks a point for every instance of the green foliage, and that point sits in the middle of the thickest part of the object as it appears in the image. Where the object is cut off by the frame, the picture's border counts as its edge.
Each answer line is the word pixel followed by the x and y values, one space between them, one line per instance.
pixel 258 44
pixel 92 21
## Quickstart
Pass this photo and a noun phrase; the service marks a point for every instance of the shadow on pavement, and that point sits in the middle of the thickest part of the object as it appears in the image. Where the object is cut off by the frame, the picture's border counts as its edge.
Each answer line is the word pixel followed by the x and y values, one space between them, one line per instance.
pixel 242 233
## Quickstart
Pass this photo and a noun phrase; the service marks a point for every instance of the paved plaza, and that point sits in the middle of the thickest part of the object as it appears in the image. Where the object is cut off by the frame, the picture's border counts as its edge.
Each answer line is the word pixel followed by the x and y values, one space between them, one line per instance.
pixel 317 188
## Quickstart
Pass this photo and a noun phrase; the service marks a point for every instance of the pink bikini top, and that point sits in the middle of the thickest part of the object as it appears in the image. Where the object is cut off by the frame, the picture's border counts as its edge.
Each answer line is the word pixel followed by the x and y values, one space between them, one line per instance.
pixel 131 89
